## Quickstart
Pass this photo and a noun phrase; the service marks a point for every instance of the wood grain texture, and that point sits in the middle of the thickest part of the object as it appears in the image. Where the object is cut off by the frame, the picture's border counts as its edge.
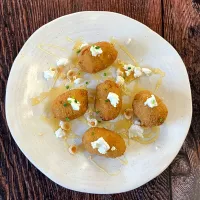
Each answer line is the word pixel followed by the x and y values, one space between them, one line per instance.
pixel 176 20
pixel 182 30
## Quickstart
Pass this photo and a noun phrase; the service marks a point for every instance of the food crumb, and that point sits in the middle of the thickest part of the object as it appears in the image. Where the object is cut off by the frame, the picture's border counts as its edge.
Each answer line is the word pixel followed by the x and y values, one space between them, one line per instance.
pixel 73 149
pixel 128 113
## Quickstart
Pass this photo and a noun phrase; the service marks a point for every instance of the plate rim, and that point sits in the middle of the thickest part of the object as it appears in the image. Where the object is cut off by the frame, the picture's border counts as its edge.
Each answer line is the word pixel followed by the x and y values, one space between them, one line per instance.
pixel 78 189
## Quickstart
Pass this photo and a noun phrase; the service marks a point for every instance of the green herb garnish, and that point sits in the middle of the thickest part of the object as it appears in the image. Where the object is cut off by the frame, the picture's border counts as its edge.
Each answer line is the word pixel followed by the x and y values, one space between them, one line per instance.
pixel 97 47
pixel 87 83
pixel 78 51
pixel 67 119
pixel 99 121
pixel 67 86
pixel 129 68
pixel 97 111
pixel 75 101
pixel 69 101
pixel 104 74
pixel 161 120
pixel 106 100
pixel 65 104
pixel 93 133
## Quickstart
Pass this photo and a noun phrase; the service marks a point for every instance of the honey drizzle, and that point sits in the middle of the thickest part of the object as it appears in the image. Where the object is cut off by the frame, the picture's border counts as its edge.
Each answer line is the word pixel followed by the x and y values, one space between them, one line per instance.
pixel 42 48
pixel 123 162
pixel 154 70
pixel 53 122
pixel 37 100
pixel 98 76
pixel 125 50
pixel 162 75
pixel 69 39
pixel 102 169
pixel 149 138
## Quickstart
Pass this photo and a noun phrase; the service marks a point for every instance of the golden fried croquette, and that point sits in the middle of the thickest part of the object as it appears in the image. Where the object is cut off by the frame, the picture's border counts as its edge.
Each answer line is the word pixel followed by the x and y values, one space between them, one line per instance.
pixel 149 117
pixel 115 141
pixel 62 108
pixel 93 64
pixel 102 105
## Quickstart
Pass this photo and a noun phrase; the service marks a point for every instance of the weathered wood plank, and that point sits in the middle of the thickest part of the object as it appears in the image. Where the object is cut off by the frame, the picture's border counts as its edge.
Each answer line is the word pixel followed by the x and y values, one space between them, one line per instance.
pixel 19 19
pixel 182 30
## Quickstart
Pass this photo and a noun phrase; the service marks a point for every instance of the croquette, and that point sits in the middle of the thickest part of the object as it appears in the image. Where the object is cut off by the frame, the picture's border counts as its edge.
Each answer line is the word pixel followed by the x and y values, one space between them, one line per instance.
pixel 149 117
pixel 102 105
pixel 115 141
pixel 62 108
pixel 93 64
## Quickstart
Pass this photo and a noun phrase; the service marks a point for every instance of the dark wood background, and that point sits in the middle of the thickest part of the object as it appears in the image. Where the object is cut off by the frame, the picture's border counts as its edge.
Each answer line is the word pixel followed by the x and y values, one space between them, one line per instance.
pixel 178 21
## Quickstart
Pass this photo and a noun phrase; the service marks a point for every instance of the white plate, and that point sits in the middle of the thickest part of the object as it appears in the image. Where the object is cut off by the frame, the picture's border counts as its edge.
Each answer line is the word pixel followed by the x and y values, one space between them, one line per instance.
pixel 49 154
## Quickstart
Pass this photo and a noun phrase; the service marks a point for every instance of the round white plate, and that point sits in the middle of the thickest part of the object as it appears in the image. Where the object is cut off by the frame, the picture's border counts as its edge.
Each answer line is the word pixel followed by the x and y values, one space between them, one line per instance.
pixel 48 153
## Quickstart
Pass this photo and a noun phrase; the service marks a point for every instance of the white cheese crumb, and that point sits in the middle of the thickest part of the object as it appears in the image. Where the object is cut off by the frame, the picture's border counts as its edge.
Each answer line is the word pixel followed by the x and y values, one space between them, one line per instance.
pixel 83 45
pixel 137 122
pixel 113 148
pixel 128 41
pixel 101 145
pixel 60 133
pixel 119 72
pixel 120 80
pixel 92 122
pixel 146 71
pixel 74 103
pixel 137 72
pixel 135 131
pixel 114 99
pixel 62 62
pixel 78 81
pixel 151 102
pixel 48 74
pixel 95 50
pixel 128 69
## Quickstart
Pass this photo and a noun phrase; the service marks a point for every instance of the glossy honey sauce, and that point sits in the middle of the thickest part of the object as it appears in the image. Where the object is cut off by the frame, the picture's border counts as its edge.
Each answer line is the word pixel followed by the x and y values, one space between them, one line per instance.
pixel 123 124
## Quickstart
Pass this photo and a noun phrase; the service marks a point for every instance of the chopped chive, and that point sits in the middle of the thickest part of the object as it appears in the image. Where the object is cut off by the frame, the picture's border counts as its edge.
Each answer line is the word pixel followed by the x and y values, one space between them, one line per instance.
pixel 69 101
pixel 67 119
pixel 129 68
pixel 86 82
pixel 75 101
pixel 99 121
pixel 78 51
pixel 104 74
pixel 65 104
pixel 106 100
pixel 97 47
pixel 97 111
pixel 67 86
pixel 161 120
pixel 153 101
pixel 93 133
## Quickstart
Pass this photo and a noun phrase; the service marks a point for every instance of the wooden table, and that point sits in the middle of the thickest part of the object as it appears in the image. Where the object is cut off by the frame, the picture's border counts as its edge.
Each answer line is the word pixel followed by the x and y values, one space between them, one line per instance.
pixel 178 21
